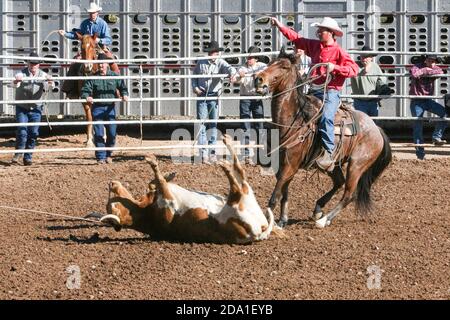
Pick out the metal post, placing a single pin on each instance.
(141, 96)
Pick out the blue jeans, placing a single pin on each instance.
(208, 109)
(418, 107)
(368, 107)
(249, 109)
(26, 136)
(104, 113)
(326, 124)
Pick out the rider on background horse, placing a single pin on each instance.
(91, 26)
(340, 66)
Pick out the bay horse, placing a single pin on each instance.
(363, 156)
(73, 87)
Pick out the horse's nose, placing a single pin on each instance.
(258, 82)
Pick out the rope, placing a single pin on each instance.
(312, 120)
(52, 32)
(50, 214)
(46, 112)
(243, 30)
(141, 96)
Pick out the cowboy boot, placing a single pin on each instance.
(326, 161)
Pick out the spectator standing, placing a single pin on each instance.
(26, 137)
(369, 81)
(208, 87)
(104, 111)
(251, 108)
(422, 84)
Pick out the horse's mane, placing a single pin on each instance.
(308, 105)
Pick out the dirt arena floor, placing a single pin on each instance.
(403, 254)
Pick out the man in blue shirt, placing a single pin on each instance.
(209, 87)
(90, 26)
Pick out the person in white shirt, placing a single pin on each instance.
(303, 68)
(250, 108)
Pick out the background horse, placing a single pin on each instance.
(363, 156)
(73, 87)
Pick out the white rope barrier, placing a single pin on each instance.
(239, 55)
(131, 122)
(140, 148)
(174, 76)
(100, 101)
(220, 98)
(138, 61)
(84, 78)
(191, 121)
(406, 53)
(394, 96)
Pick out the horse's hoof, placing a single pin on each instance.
(282, 224)
(322, 223)
(316, 215)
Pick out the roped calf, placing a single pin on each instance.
(171, 212)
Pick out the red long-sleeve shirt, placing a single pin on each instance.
(344, 66)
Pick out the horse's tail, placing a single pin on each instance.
(363, 201)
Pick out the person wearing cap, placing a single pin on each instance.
(104, 111)
(422, 84)
(91, 26)
(304, 64)
(249, 108)
(209, 87)
(368, 82)
(339, 64)
(26, 137)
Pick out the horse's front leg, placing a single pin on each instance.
(88, 111)
(281, 192)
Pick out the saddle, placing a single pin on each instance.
(345, 121)
(71, 87)
(346, 124)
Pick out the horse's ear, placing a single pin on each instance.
(79, 35)
(282, 51)
(95, 36)
(287, 55)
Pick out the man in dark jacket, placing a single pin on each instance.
(104, 111)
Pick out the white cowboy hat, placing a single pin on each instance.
(93, 7)
(331, 24)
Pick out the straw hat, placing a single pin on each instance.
(331, 24)
(93, 7)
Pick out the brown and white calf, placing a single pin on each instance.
(171, 212)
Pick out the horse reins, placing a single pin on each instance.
(316, 116)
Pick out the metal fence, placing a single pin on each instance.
(180, 28)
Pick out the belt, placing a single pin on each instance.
(106, 104)
(211, 94)
(367, 100)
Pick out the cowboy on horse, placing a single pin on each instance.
(91, 26)
(339, 65)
